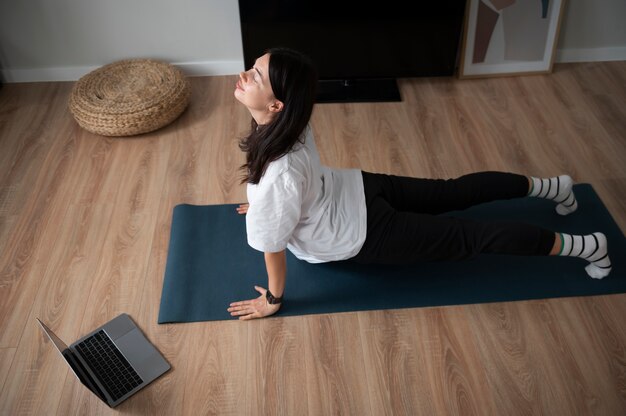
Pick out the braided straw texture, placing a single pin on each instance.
(129, 97)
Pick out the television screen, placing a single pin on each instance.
(353, 40)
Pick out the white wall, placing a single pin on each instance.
(48, 40)
(42, 40)
(592, 30)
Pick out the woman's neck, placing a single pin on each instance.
(262, 117)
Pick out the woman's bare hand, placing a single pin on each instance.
(253, 308)
(242, 208)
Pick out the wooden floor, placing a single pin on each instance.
(84, 229)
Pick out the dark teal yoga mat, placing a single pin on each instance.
(210, 264)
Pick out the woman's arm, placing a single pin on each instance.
(276, 265)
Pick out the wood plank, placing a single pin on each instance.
(30, 117)
(598, 350)
(566, 388)
(336, 380)
(38, 371)
(396, 367)
(120, 273)
(218, 362)
(512, 375)
(454, 365)
(35, 230)
(276, 379)
(6, 358)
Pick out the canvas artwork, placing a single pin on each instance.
(509, 37)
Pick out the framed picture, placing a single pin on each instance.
(509, 37)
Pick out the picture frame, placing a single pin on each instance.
(509, 37)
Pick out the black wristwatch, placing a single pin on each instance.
(271, 299)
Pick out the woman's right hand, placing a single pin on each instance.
(242, 208)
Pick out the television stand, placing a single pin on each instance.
(357, 90)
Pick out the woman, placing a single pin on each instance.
(322, 214)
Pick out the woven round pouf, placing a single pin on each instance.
(129, 97)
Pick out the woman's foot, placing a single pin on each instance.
(591, 247)
(557, 189)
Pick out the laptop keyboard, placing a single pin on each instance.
(107, 362)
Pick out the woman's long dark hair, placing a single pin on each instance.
(294, 80)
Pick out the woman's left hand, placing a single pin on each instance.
(253, 308)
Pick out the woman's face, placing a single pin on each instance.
(253, 89)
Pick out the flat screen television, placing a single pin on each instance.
(360, 48)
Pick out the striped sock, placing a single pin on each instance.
(591, 247)
(558, 189)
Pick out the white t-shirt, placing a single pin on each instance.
(318, 213)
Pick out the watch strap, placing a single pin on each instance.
(271, 299)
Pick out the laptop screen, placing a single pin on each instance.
(66, 353)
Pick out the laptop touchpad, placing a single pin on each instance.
(141, 354)
(119, 326)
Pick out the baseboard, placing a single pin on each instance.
(591, 54)
(209, 68)
(206, 68)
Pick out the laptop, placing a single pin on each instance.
(114, 361)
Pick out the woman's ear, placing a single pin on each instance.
(276, 106)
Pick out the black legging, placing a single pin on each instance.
(403, 225)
